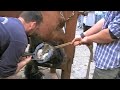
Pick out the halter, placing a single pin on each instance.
(61, 13)
(73, 13)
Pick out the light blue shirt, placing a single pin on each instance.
(107, 56)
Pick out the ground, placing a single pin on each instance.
(81, 58)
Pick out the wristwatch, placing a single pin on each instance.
(82, 35)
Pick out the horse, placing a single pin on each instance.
(52, 30)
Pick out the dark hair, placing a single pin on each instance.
(32, 16)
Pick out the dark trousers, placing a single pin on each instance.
(106, 74)
(85, 28)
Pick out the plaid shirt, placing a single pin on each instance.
(107, 56)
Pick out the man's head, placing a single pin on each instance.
(31, 20)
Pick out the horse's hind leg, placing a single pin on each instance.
(32, 71)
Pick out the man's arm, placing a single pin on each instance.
(22, 63)
(108, 35)
(101, 37)
(10, 59)
(95, 29)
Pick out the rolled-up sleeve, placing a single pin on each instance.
(114, 26)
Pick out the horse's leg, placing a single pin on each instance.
(70, 35)
(52, 70)
(59, 37)
(31, 69)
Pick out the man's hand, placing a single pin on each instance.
(24, 58)
(23, 62)
(79, 41)
(86, 41)
(27, 59)
(76, 41)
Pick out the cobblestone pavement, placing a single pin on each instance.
(80, 61)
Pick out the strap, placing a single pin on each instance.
(82, 35)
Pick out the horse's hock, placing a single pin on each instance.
(51, 30)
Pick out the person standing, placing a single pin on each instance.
(106, 33)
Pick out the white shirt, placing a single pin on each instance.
(98, 12)
(89, 20)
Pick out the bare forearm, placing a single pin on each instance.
(22, 64)
(95, 29)
(101, 37)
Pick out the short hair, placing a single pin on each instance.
(32, 16)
